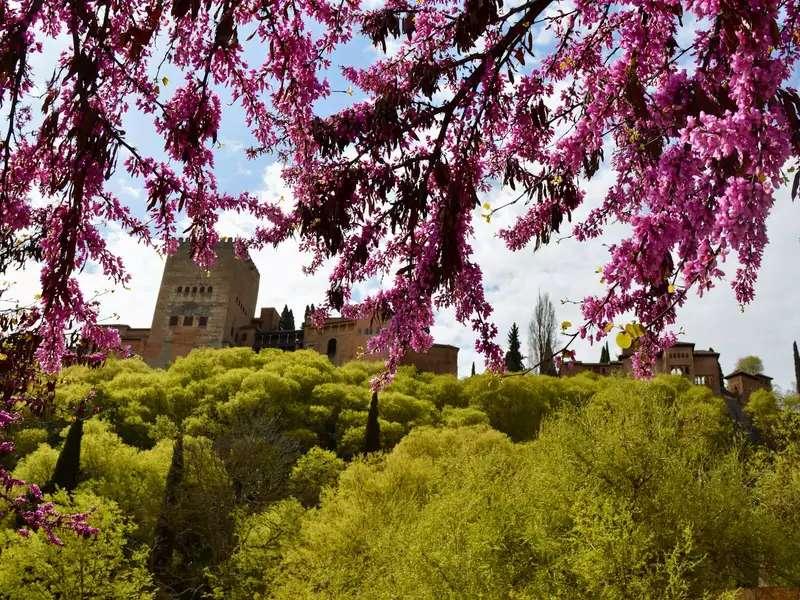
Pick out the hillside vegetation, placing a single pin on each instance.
(241, 475)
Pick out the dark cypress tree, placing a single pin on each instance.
(165, 536)
(605, 357)
(286, 322)
(372, 436)
(796, 368)
(514, 356)
(68, 466)
(472, 373)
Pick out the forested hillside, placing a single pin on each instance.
(241, 475)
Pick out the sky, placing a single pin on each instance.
(566, 271)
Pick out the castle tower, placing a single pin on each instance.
(197, 308)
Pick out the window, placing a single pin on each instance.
(202, 289)
(202, 321)
(210, 289)
(700, 380)
(173, 321)
(331, 348)
(180, 289)
(194, 290)
(187, 321)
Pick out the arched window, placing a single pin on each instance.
(180, 289)
(210, 289)
(202, 289)
(676, 371)
(332, 348)
(194, 290)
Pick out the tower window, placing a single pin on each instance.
(331, 348)
(187, 321)
(180, 289)
(202, 321)
(194, 290)
(202, 289)
(173, 321)
(210, 289)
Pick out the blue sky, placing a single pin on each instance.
(566, 271)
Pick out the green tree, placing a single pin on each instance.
(313, 472)
(796, 356)
(67, 469)
(640, 492)
(286, 322)
(165, 538)
(372, 434)
(100, 566)
(472, 371)
(514, 356)
(750, 364)
(605, 356)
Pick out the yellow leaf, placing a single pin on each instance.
(487, 206)
(598, 270)
(165, 80)
(609, 326)
(566, 325)
(3, 357)
(624, 340)
(670, 289)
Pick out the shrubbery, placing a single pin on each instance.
(493, 487)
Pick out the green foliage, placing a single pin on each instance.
(313, 472)
(750, 364)
(464, 417)
(100, 567)
(629, 496)
(254, 564)
(495, 487)
(27, 440)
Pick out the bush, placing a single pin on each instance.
(102, 566)
(313, 472)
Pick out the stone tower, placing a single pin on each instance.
(197, 308)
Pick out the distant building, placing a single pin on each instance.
(683, 358)
(215, 308)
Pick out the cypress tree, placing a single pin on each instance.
(514, 356)
(165, 536)
(605, 357)
(286, 322)
(472, 373)
(372, 436)
(68, 464)
(796, 368)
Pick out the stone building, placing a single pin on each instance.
(215, 308)
(700, 366)
(742, 384)
(198, 308)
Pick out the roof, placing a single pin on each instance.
(739, 372)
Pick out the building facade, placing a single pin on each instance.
(684, 358)
(214, 308)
